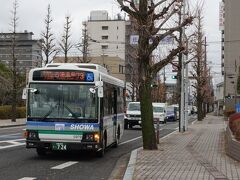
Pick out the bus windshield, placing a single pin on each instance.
(62, 101)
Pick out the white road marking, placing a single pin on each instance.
(27, 178)
(125, 142)
(64, 165)
(13, 140)
(6, 135)
(10, 146)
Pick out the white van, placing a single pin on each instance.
(159, 112)
(133, 115)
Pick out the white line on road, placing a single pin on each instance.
(13, 140)
(6, 135)
(27, 178)
(10, 146)
(125, 142)
(64, 165)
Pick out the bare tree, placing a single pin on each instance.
(83, 46)
(200, 70)
(5, 84)
(152, 18)
(66, 44)
(48, 45)
(13, 24)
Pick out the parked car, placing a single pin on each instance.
(170, 115)
(133, 115)
(176, 110)
(159, 112)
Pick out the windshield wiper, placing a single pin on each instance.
(74, 115)
(49, 112)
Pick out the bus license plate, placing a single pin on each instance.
(59, 146)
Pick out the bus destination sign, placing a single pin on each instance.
(63, 75)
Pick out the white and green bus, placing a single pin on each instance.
(73, 107)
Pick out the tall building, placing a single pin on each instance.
(28, 51)
(231, 52)
(106, 36)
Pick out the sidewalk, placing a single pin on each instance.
(193, 155)
(9, 123)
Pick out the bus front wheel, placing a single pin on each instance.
(101, 152)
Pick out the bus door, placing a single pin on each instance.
(115, 114)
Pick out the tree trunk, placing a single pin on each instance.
(14, 91)
(148, 131)
(145, 95)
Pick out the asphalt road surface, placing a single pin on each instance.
(17, 162)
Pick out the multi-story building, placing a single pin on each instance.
(111, 37)
(106, 36)
(27, 51)
(219, 98)
(231, 52)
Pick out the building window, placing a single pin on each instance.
(104, 37)
(104, 46)
(121, 69)
(104, 27)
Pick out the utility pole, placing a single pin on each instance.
(186, 80)
(182, 119)
(205, 71)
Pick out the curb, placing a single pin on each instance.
(12, 125)
(131, 165)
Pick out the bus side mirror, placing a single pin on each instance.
(100, 92)
(24, 94)
(92, 90)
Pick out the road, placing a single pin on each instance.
(17, 162)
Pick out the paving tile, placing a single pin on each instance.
(197, 154)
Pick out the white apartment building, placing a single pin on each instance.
(106, 37)
(231, 52)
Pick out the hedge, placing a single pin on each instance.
(234, 125)
(6, 112)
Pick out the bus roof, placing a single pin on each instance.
(97, 69)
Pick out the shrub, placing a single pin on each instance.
(6, 112)
(232, 118)
(21, 112)
(236, 131)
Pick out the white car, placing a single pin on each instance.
(133, 115)
(159, 112)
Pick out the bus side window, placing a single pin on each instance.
(115, 102)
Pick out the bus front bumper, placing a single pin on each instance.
(69, 145)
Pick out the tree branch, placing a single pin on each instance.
(158, 66)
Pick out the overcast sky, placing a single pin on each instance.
(31, 15)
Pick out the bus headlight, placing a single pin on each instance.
(96, 137)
